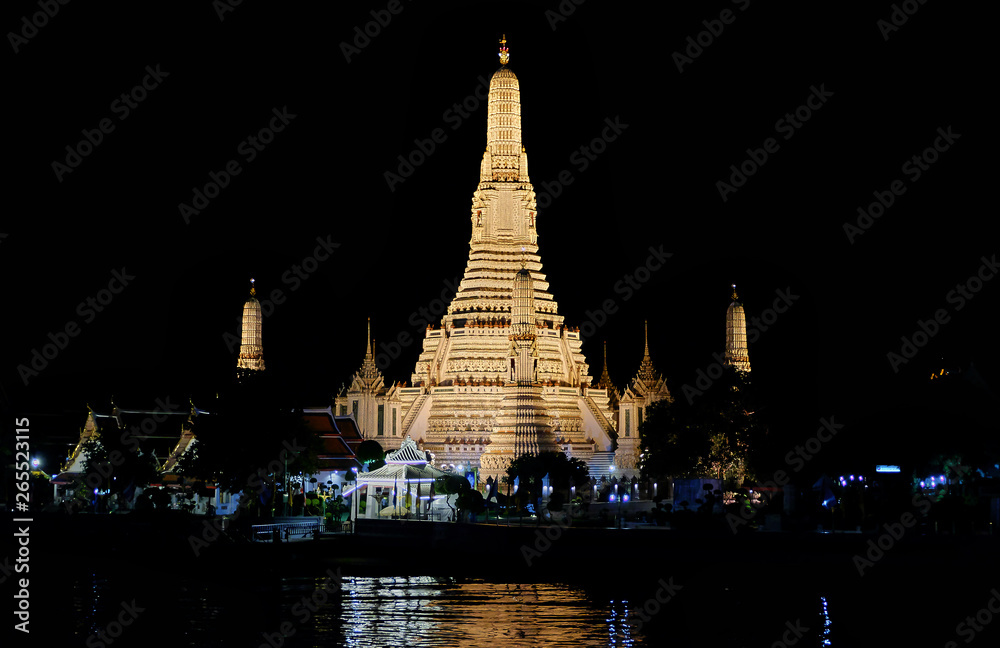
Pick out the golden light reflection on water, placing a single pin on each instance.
(425, 611)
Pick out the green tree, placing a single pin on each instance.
(451, 485)
(244, 443)
(709, 434)
(563, 473)
(371, 453)
(116, 460)
(471, 500)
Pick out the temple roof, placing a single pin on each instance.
(408, 453)
(339, 435)
(368, 377)
(605, 381)
(647, 373)
(164, 433)
(409, 463)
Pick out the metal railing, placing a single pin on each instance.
(295, 530)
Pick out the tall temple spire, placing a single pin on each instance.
(647, 373)
(605, 381)
(251, 356)
(504, 152)
(369, 374)
(511, 375)
(736, 336)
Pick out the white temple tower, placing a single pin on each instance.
(458, 385)
(522, 425)
(251, 356)
(736, 336)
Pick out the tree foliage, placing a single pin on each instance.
(244, 444)
(451, 485)
(371, 453)
(563, 473)
(710, 434)
(114, 462)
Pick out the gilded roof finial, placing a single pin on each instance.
(368, 351)
(504, 53)
(734, 292)
(253, 292)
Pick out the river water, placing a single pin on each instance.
(405, 611)
(614, 596)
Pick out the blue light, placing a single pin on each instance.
(852, 477)
(885, 468)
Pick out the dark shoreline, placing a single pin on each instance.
(474, 549)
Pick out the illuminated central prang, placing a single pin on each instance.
(458, 385)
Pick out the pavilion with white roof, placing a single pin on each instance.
(407, 475)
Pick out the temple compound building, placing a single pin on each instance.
(459, 403)
(502, 373)
(647, 388)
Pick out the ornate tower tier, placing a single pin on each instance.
(251, 356)
(736, 336)
(522, 425)
(455, 407)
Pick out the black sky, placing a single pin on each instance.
(655, 185)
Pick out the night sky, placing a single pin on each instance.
(219, 82)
